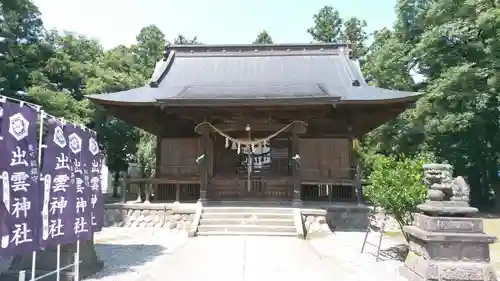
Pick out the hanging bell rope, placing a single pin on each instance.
(248, 142)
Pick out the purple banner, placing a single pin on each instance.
(94, 166)
(79, 179)
(59, 198)
(19, 179)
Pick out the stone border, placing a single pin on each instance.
(299, 224)
(172, 216)
(196, 220)
(340, 217)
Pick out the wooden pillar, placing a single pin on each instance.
(147, 191)
(126, 186)
(156, 186)
(205, 135)
(358, 183)
(297, 181)
(177, 192)
(357, 173)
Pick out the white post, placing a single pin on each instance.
(77, 262)
(40, 143)
(58, 265)
(22, 275)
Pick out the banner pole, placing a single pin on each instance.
(40, 142)
(77, 262)
(58, 265)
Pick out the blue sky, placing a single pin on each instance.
(116, 22)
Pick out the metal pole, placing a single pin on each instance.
(77, 262)
(40, 145)
(58, 265)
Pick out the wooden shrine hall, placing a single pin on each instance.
(256, 122)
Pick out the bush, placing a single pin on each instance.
(396, 186)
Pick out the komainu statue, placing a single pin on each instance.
(461, 190)
(445, 193)
(438, 179)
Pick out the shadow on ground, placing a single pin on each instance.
(120, 258)
(398, 252)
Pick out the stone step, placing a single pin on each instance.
(245, 221)
(245, 215)
(247, 210)
(245, 228)
(243, 233)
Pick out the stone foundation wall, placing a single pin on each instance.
(337, 217)
(172, 216)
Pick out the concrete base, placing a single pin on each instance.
(46, 262)
(448, 248)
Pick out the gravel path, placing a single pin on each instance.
(343, 249)
(132, 253)
(154, 255)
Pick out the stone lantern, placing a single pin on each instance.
(446, 242)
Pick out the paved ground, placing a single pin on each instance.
(152, 254)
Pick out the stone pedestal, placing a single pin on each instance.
(446, 242)
(46, 262)
(448, 248)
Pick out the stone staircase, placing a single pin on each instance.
(259, 221)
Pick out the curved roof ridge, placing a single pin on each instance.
(252, 47)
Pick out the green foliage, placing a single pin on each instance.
(396, 186)
(327, 26)
(453, 47)
(263, 38)
(57, 70)
(146, 154)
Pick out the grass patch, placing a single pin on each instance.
(492, 227)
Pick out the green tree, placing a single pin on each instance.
(354, 33)
(21, 51)
(396, 186)
(327, 26)
(263, 38)
(183, 40)
(149, 47)
(146, 154)
(453, 49)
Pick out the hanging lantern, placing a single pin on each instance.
(253, 148)
(227, 142)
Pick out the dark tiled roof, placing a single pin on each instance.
(255, 74)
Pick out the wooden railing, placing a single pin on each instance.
(178, 171)
(331, 185)
(233, 188)
(164, 189)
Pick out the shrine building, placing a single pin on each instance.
(256, 122)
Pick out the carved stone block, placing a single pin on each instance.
(449, 224)
(418, 268)
(445, 255)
